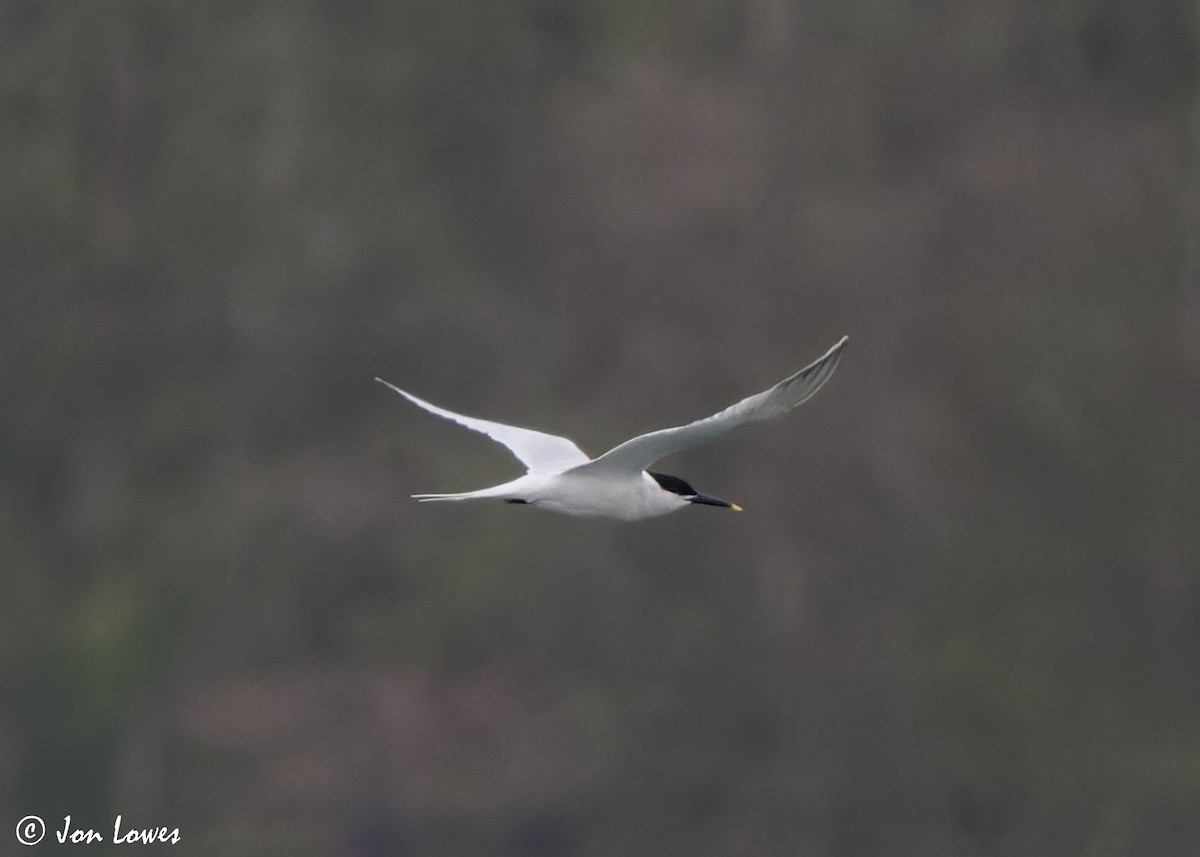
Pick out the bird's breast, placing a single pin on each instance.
(624, 498)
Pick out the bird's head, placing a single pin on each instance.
(675, 485)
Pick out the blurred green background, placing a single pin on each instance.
(961, 613)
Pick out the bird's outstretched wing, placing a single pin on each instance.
(638, 453)
(538, 451)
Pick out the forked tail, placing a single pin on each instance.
(506, 491)
(433, 498)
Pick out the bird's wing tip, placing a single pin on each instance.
(393, 387)
(836, 350)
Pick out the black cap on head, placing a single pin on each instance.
(673, 484)
(678, 486)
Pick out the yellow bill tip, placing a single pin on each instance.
(735, 507)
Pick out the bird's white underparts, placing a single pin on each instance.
(618, 484)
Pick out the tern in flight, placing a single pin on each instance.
(561, 478)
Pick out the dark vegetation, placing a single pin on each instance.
(961, 614)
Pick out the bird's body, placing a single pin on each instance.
(618, 484)
(586, 495)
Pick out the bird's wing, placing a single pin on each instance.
(538, 451)
(640, 452)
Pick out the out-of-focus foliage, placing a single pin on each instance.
(961, 614)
